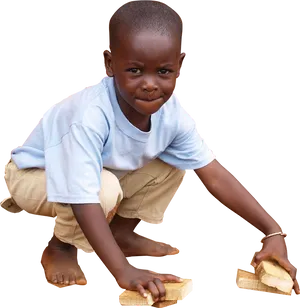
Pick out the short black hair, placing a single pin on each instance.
(136, 16)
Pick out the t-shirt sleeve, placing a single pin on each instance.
(187, 150)
(73, 167)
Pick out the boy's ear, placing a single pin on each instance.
(108, 63)
(182, 60)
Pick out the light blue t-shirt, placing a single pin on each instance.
(87, 131)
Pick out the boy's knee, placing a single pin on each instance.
(111, 192)
(167, 171)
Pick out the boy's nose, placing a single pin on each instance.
(149, 85)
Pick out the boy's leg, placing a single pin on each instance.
(27, 188)
(147, 193)
(28, 191)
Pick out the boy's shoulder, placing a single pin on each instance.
(84, 106)
(92, 96)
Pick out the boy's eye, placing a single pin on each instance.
(163, 71)
(134, 70)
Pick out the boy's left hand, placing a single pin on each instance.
(275, 248)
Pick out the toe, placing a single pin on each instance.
(168, 250)
(72, 279)
(60, 278)
(54, 279)
(81, 280)
(66, 280)
(173, 251)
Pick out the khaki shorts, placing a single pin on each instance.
(144, 194)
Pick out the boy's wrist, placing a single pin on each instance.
(118, 264)
(119, 272)
(272, 229)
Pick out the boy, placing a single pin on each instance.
(129, 137)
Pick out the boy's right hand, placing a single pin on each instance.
(136, 279)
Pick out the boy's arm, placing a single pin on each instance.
(93, 223)
(229, 191)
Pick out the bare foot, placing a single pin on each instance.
(134, 243)
(137, 244)
(60, 264)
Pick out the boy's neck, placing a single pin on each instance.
(144, 126)
(142, 122)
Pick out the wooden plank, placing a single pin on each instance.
(273, 275)
(246, 280)
(178, 292)
(165, 304)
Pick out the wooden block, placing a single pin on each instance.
(164, 304)
(133, 299)
(174, 291)
(250, 281)
(273, 275)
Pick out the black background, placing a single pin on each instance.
(253, 115)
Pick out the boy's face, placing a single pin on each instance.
(145, 67)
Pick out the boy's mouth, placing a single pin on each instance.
(148, 99)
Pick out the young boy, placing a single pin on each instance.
(115, 153)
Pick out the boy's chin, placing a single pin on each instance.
(148, 107)
(148, 112)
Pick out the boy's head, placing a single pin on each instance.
(145, 58)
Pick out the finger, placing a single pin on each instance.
(261, 256)
(161, 288)
(141, 290)
(296, 287)
(169, 278)
(154, 291)
(285, 263)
